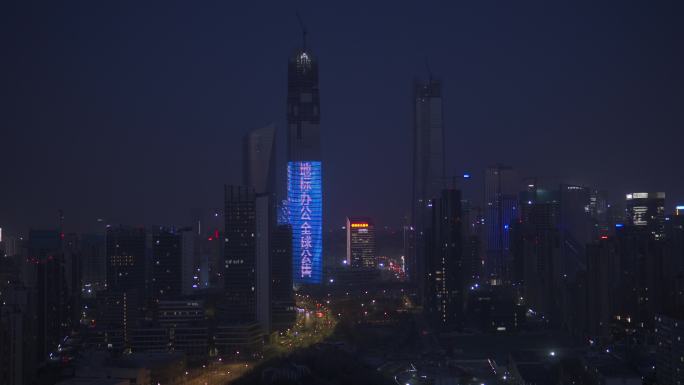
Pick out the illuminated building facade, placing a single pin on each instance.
(646, 211)
(304, 168)
(306, 215)
(679, 210)
(361, 243)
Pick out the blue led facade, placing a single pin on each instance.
(305, 201)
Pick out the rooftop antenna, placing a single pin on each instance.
(301, 24)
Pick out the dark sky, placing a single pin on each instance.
(134, 111)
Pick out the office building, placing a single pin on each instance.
(575, 226)
(428, 146)
(643, 279)
(646, 212)
(673, 267)
(126, 251)
(536, 250)
(445, 295)
(238, 341)
(599, 211)
(495, 309)
(265, 219)
(361, 251)
(669, 335)
(124, 304)
(408, 243)
(260, 159)
(304, 168)
(259, 174)
(208, 242)
(194, 266)
(53, 306)
(73, 272)
(603, 280)
(501, 189)
(167, 263)
(240, 254)
(472, 259)
(283, 312)
(9, 244)
(16, 340)
(94, 263)
(428, 177)
(306, 206)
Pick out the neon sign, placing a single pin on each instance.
(305, 201)
(359, 225)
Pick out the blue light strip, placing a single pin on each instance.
(305, 201)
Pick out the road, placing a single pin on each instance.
(314, 323)
(216, 374)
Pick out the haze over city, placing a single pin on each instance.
(136, 110)
(301, 193)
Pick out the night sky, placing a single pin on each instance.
(134, 111)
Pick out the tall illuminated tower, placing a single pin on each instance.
(304, 180)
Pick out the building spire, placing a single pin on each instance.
(301, 24)
(429, 71)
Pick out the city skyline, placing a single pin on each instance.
(178, 150)
(416, 194)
